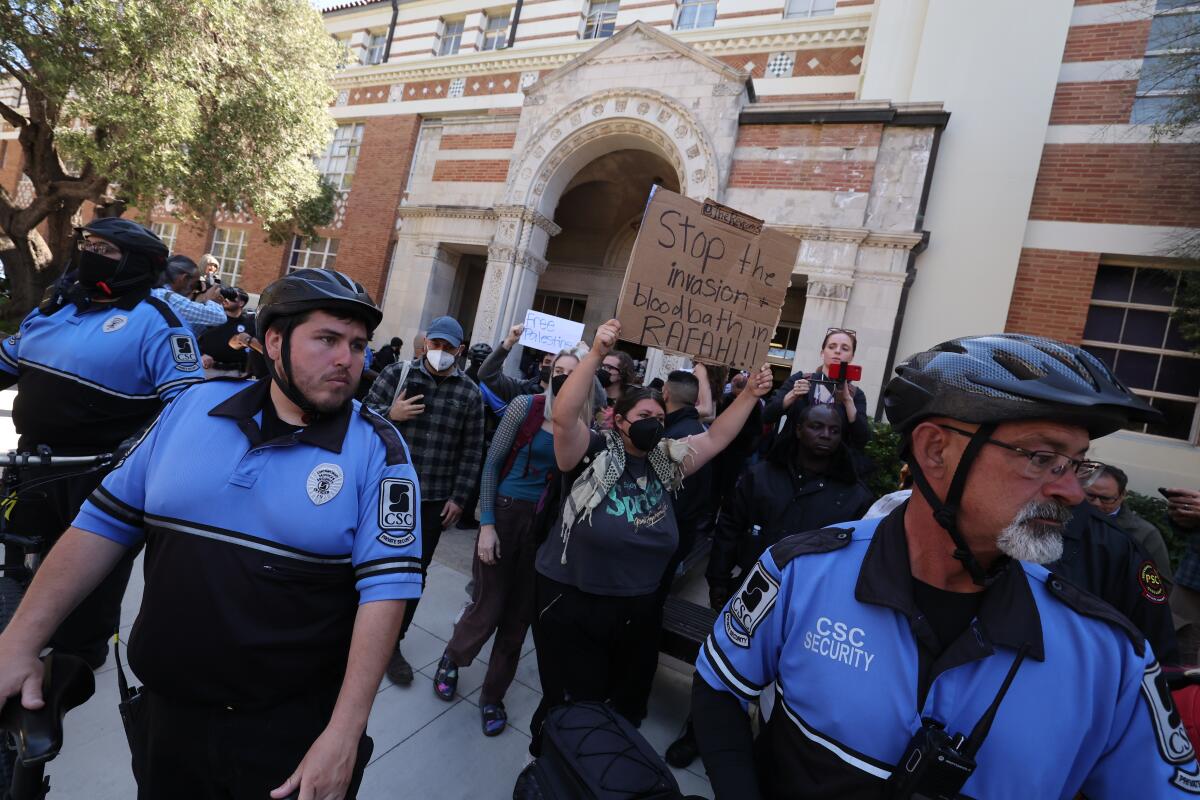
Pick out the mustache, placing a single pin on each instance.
(1044, 510)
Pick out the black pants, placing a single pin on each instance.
(589, 647)
(47, 510)
(189, 752)
(431, 533)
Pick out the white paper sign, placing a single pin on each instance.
(550, 334)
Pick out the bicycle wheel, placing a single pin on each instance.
(10, 598)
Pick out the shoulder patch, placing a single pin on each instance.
(163, 308)
(393, 444)
(1151, 582)
(1089, 605)
(825, 540)
(183, 350)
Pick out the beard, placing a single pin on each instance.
(1028, 538)
(328, 397)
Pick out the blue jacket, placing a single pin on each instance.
(829, 617)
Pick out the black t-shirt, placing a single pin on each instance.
(272, 426)
(949, 613)
(214, 342)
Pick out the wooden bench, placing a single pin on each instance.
(685, 627)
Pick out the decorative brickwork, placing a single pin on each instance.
(1110, 42)
(829, 176)
(477, 141)
(824, 61)
(1093, 103)
(1131, 184)
(1051, 293)
(809, 135)
(492, 170)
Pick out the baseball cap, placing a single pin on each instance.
(445, 328)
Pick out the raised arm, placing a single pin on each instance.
(726, 427)
(570, 432)
(491, 370)
(706, 407)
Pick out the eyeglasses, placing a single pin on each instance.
(847, 331)
(100, 248)
(1047, 462)
(1103, 498)
(611, 369)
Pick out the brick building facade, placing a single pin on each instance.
(491, 161)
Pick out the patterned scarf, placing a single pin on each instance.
(667, 460)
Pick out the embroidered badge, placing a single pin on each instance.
(1150, 579)
(397, 505)
(114, 323)
(1173, 743)
(397, 541)
(750, 605)
(324, 482)
(183, 349)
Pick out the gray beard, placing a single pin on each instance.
(1026, 539)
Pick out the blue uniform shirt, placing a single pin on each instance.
(90, 378)
(829, 617)
(258, 553)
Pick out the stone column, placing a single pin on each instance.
(421, 291)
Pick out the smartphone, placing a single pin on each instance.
(845, 372)
(1167, 493)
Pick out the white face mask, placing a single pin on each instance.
(439, 360)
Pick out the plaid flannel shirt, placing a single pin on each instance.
(446, 440)
(197, 316)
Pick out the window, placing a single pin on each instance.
(560, 305)
(1129, 327)
(783, 343)
(495, 31)
(340, 160)
(376, 44)
(452, 31)
(808, 8)
(229, 248)
(696, 14)
(167, 231)
(601, 19)
(1171, 68)
(317, 252)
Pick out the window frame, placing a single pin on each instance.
(541, 300)
(498, 35)
(698, 5)
(1193, 436)
(302, 248)
(158, 228)
(445, 36)
(220, 251)
(602, 19)
(809, 12)
(1152, 94)
(345, 148)
(792, 333)
(374, 49)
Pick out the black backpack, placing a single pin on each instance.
(590, 752)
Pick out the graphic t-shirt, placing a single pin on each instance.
(624, 548)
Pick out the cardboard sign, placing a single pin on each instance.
(706, 281)
(550, 334)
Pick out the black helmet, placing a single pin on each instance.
(1006, 377)
(143, 254)
(310, 289)
(479, 352)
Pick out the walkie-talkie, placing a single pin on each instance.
(936, 765)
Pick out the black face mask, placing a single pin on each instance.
(604, 377)
(556, 384)
(544, 374)
(646, 433)
(96, 271)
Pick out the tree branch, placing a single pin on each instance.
(12, 116)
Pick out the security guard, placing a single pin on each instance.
(93, 365)
(887, 639)
(282, 543)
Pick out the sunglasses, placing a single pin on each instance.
(848, 331)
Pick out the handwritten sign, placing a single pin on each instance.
(706, 281)
(551, 334)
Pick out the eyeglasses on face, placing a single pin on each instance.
(1043, 463)
(1103, 498)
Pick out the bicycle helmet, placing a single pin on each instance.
(479, 352)
(1005, 377)
(143, 254)
(309, 290)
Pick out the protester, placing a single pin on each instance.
(219, 355)
(1183, 510)
(804, 389)
(929, 609)
(519, 464)
(439, 412)
(617, 375)
(600, 568)
(1108, 494)
(210, 271)
(175, 287)
(93, 364)
(388, 354)
(729, 464)
(476, 356)
(272, 598)
(806, 483)
(491, 372)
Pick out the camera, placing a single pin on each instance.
(845, 372)
(228, 292)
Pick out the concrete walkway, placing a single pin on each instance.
(424, 746)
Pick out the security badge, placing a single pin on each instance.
(1172, 738)
(397, 511)
(183, 349)
(751, 605)
(114, 323)
(1151, 582)
(324, 483)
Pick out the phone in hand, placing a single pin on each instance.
(1167, 493)
(845, 372)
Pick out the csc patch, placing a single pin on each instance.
(1173, 743)
(753, 602)
(183, 349)
(1151, 582)
(397, 505)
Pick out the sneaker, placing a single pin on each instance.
(445, 680)
(683, 751)
(494, 717)
(399, 671)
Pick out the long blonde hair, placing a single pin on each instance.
(585, 413)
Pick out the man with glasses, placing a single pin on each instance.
(1107, 495)
(889, 639)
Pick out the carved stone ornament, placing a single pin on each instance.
(727, 89)
(827, 290)
(621, 104)
(643, 108)
(576, 119)
(597, 109)
(343, 97)
(693, 151)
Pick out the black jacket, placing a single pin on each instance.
(694, 501)
(1101, 558)
(776, 497)
(856, 433)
